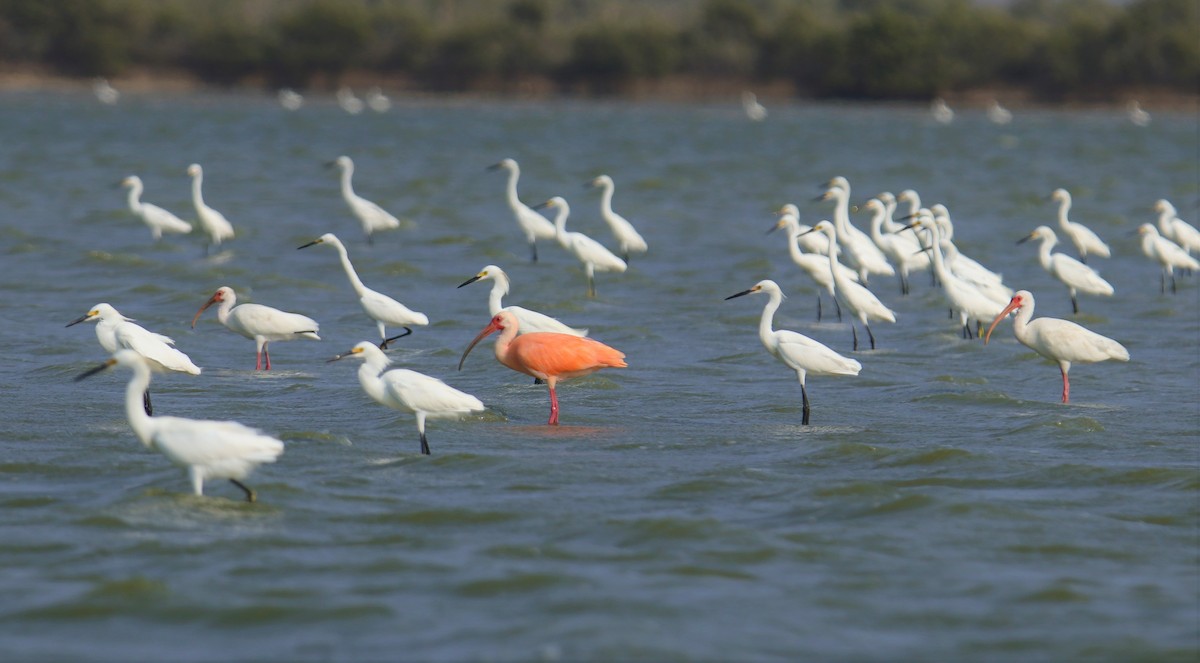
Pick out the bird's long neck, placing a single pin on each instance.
(347, 187)
(355, 282)
(794, 249)
(841, 209)
(1021, 322)
(877, 224)
(1064, 206)
(197, 195)
(560, 225)
(224, 307)
(765, 332)
(914, 205)
(510, 190)
(499, 289)
(135, 193)
(135, 409)
(501, 348)
(1165, 217)
(606, 196)
(889, 220)
(939, 261)
(1044, 251)
(368, 377)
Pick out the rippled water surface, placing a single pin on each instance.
(942, 506)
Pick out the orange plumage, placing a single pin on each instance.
(547, 356)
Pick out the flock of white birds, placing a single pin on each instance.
(839, 258)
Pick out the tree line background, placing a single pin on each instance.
(1052, 50)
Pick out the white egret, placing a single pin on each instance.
(628, 238)
(811, 242)
(378, 101)
(941, 111)
(1086, 242)
(863, 304)
(372, 217)
(409, 391)
(753, 109)
(290, 99)
(1060, 341)
(1077, 276)
(998, 114)
(213, 223)
(379, 307)
(903, 250)
(963, 266)
(206, 449)
(592, 254)
(861, 252)
(1176, 229)
(534, 225)
(261, 323)
(156, 218)
(105, 92)
(963, 297)
(816, 266)
(530, 321)
(349, 103)
(1137, 115)
(117, 332)
(1166, 253)
(797, 351)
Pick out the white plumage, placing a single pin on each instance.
(261, 323)
(797, 351)
(1086, 242)
(533, 225)
(861, 252)
(372, 217)
(1077, 276)
(863, 304)
(628, 238)
(1166, 253)
(206, 449)
(529, 321)
(379, 307)
(156, 218)
(409, 391)
(592, 254)
(1176, 229)
(968, 301)
(1060, 341)
(213, 223)
(816, 266)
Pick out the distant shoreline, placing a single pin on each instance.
(676, 89)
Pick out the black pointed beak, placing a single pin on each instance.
(469, 281)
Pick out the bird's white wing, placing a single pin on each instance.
(423, 393)
(229, 448)
(532, 321)
(279, 322)
(168, 222)
(1079, 275)
(155, 347)
(381, 307)
(800, 351)
(596, 253)
(374, 216)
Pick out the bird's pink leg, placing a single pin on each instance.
(553, 407)
(267, 353)
(1066, 386)
(258, 360)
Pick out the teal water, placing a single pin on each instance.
(942, 506)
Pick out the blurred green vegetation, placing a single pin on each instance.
(860, 49)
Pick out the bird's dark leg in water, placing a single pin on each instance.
(804, 395)
(384, 344)
(146, 403)
(251, 496)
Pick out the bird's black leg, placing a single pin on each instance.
(804, 395)
(146, 403)
(1074, 305)
(251, 496)
(625, 257)
(978, 329)
(854, 332)
(838, 306)
(1172, 283)
(818, 307)
(869, 334)
(384, 344)
(591, 286)
(533, 252)
(424, 444)
(1162, 283)
(903, 285)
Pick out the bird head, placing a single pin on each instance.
(224, 293)
(501, 321)
(1019, 299)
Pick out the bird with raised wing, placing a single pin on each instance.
(547, 356)
(797, 351)
(206, 449)
(1060, 341)
(261, 323)
(408, 391)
